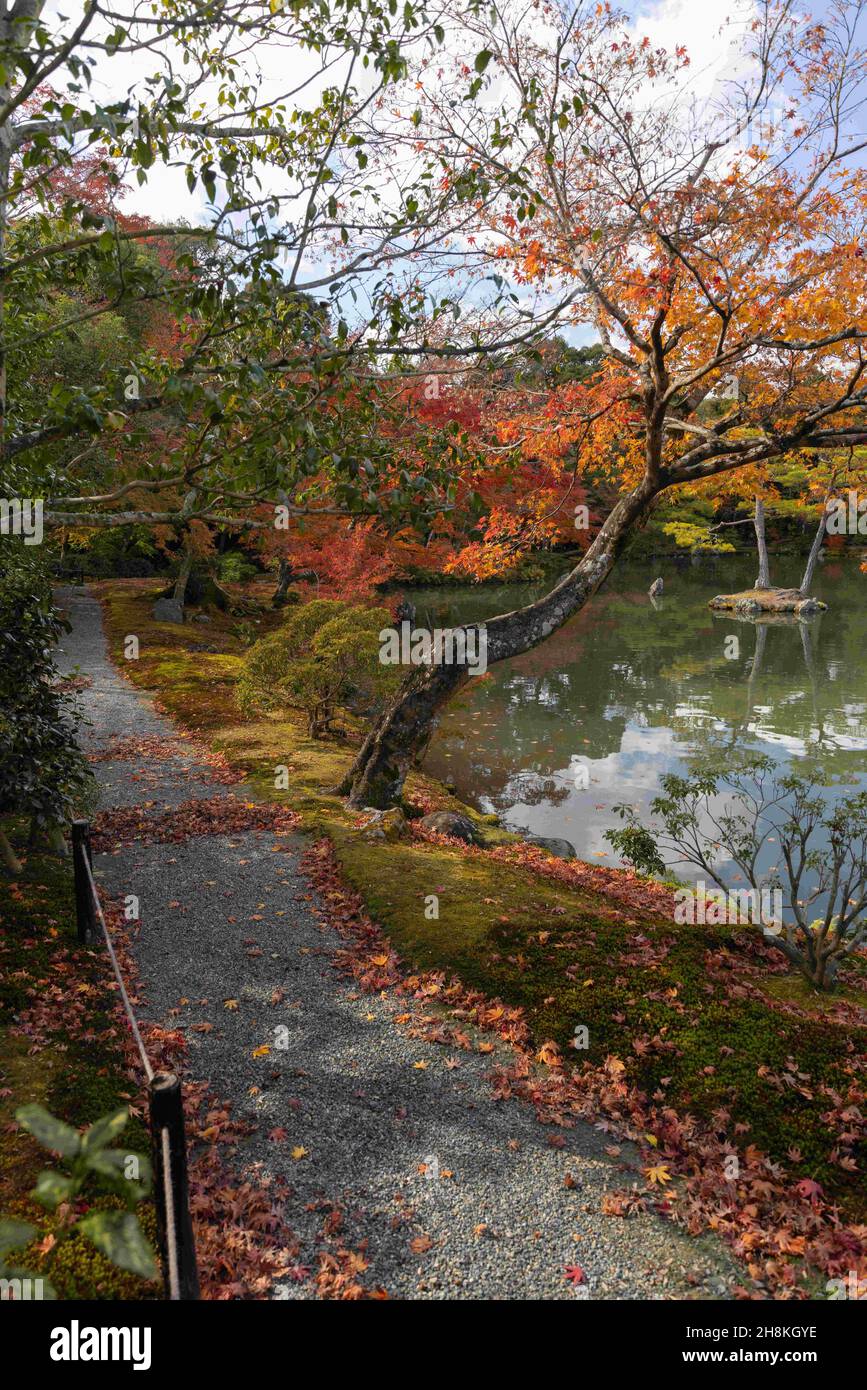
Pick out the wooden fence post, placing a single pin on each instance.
(171, 1188)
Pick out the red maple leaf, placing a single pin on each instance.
(574, 1274)
(808, 1188)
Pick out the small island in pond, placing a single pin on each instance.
(750, 601)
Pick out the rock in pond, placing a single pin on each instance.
(561, 849)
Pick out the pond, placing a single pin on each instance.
(633, 689)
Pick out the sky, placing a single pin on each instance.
(666, 22)
(698, 25)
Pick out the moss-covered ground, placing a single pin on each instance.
(699, 1012)
(59, 1046)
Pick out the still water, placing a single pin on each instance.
(634, 690)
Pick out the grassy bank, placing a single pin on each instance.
(60, 1046)
(706, 1019)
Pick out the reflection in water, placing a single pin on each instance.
(630, 690)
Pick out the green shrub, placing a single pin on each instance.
(325, 656)
(43, 773)
(90, 1163)
(234, 568)
(721, 817)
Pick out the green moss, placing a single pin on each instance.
(75, 1268)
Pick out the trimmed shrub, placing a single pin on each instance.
(326, 656)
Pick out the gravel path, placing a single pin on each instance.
(446, 1193)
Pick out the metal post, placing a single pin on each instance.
(85, 917)
(171, 1189)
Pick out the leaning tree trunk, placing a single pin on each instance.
(403, 731)
(400, 735)
(764, 579)
(807, 582)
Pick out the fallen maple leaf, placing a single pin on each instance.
(549, 1053)
(808, 1188)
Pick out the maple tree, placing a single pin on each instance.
(697, 253)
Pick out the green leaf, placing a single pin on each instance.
(482, 59)
(14, 1235)
(53, 1188)
(119, 1237)
(48, 1130)
(105, 1130)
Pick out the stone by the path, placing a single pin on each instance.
(451, 823)
(168, 610)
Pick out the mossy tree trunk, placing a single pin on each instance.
(400, 735)
(403, 731)
(193, 585)
(179, 591)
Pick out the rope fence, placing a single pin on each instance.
(166, 1108)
